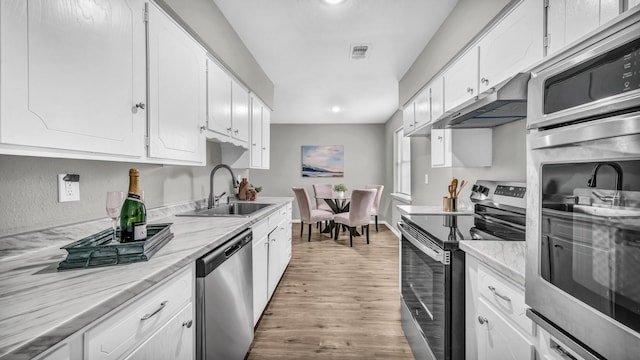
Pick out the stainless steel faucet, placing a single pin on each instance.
(213, 200)
(592, 183)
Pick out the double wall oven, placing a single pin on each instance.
(583, 239)
(432, 266)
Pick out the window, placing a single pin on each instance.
(402, 158)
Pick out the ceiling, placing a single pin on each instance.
(304, 47)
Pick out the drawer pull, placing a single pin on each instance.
(188, 324)
(503, 297)
(162, 305)
(482, 320)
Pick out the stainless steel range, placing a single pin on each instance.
(432, 265)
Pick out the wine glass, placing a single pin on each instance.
(114, 204)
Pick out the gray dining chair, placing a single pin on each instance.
(376, 202)
(309, 215)
(359, 213)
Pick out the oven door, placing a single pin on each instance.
(583, 240)
(425, 289)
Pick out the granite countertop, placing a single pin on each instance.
(431, 210)
(507, 257)
(40, 306)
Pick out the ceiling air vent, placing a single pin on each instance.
(359, 51)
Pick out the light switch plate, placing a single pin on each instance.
(68, 187)
(426, 179)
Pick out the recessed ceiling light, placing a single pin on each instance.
(335, 109)
(333, 2)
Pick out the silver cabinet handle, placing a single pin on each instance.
(503, 297)
(162, 305)
(482, 320)
(470, 90)
(254, 144)
(264, 148)
(484, 81)
(228, 129)
(439, 137)
(140, 106)
(235, 131)
(188, 323)
(203, 128)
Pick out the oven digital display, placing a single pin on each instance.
(613, 73)
(512, 191)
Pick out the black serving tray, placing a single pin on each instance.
(102, 249)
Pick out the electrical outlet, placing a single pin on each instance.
(68, 187)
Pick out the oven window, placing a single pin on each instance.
(423, 291)
(590, 235)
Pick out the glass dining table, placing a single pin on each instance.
(338, 204)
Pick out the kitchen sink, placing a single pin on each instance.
(232, 209)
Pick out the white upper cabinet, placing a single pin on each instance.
(240, 112)
(568, 20)
(218, 99)
(461, 79)
(452, 147)
(72, 73)
(422, 110)
(177, 91)
(513, 45)
(437, 98)
(260, 132)
(409, 117)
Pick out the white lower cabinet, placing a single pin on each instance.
(461, 147)
(496, 325)
(174, 340)
(152, 322)
(271, 255)
(498, 339)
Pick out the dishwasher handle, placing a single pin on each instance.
(209, 262)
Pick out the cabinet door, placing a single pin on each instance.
(260, 257)
(437, 98)
(461, 80)
(274, 259)
(498, 339)
(218, 99)
(174, 340)
(266, 137)
(408, 118)
(177, 91)
(423, 108)
(256, 133)
(512, 45)
(240, 112)
(439, 147)
(72, 73)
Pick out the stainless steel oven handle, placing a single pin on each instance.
(626, 124)
(493, 220)
(560, 335)
(437, 256)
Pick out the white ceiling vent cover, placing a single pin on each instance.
(360, 51)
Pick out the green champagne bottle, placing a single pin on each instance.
(133, 216)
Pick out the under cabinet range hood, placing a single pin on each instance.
(496, 106)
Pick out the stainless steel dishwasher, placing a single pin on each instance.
(224, 300)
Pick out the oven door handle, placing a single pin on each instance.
(493, 220)
(626, 124)
(439, 256)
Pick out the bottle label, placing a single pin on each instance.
(139, 231)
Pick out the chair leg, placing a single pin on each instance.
(337, 231)
(367, 226)
(376, 223)
(351, 229)
(301, 227)
(309, 232)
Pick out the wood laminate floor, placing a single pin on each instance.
(335, 302)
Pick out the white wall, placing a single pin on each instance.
(363, 157)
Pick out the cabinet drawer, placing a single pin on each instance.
(125, 328)
(505, 296)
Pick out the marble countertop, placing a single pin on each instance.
(40, 306)
(431, 210)
(507, 257)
